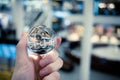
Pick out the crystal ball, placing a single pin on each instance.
(41, 39)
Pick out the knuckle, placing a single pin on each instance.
(57, 75)
(52, 76)
(51, 69)
(51, 58)
(61, 62)
(55, 53)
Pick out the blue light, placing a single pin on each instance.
(8, 51)
(61, 14)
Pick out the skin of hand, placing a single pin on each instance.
(36, 67)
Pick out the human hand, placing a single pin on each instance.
(36, 67)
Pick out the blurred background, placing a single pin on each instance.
(90, 32)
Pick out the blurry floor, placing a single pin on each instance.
(74, 75)
(94, 75)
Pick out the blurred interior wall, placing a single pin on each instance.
(18, 16)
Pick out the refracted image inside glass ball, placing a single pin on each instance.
(41, 39)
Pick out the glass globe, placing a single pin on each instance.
(41, 39)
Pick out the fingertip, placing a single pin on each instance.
(58, 41)
(23, 34)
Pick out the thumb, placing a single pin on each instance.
(22, 47)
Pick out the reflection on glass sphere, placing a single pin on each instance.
(41, 39)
